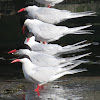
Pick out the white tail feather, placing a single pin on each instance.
(77, 57)
(66, 49)
(67, 72)
(82, 14)
(78, 30)
(79, 43)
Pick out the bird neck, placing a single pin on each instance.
(27, 66)
(31, 42)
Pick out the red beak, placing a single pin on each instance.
(49, 6)
(28, 39)
(23, 29)
(16, 60)
(23, 9)
(12, 51)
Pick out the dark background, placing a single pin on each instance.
(11, 34)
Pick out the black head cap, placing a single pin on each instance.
(23, 46)
(30, 4)
(29, 34)
(24, 56)
(23, 18)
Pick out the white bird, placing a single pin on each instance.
(49, 3)
(43, 75)
(40, 59)
(43, 59)
(48, 32)
(50, 48)
(52, 15)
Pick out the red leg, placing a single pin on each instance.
(24, 97)
(23, 29)
(37, 90)
(44, 42)
(42, 86)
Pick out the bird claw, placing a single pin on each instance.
(37, 90)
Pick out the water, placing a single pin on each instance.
(66, 88)
(83, 86)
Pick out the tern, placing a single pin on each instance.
(43, 75)
(48, 32)
(40, 59)
(43, 59)
(50, 48)
(52, 15)
(49, 3)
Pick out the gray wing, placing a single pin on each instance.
(49, 31)
(51, 15)
(46, 60)
(42, 74)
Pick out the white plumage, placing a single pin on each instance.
(42, 59)
(48, 32)
(52, 15)
(49, 2)
(43, 75)
(53, 49)
(42, 65)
